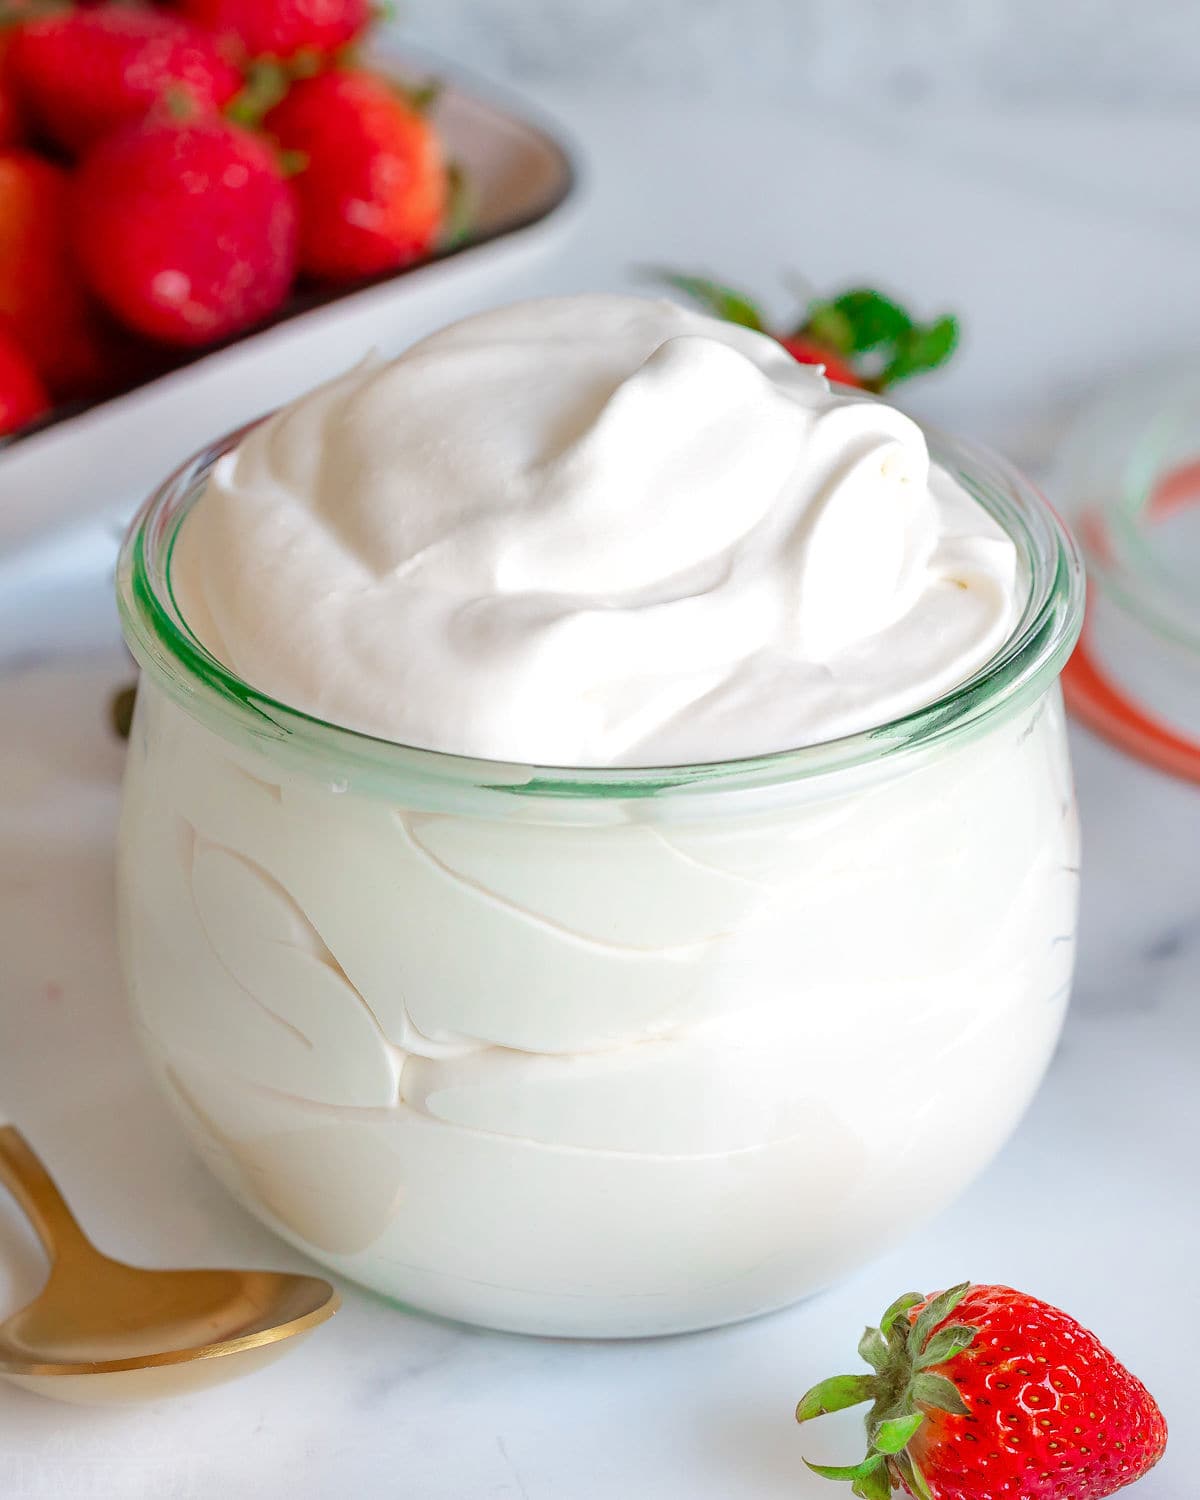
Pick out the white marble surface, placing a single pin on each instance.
(1067, 247)
(1099, 53)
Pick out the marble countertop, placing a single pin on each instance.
(997, 51)
(1067, 247)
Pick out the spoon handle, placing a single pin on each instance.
(23, 1174)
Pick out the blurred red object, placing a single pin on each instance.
(373, 186)
(1093, 695)
(11, 124)
(83, 73)
(42, 297)
(281, 28)
(23, 397)
(185, 231)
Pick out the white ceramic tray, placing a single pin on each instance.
(100, 460)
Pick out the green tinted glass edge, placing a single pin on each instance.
(1031, 658)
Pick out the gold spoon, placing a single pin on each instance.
(104, 1331)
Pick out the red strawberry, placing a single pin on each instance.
(861, 337)
(22, 394)
(10, 118)
(281, 28)
(35, 269)
(83, 73)
(805, 352)
(982, 1392)
(12, 127)
(186, 231)
(42, 297)
(373, 190)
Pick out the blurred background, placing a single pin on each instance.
(1024, 164)
(873, 52)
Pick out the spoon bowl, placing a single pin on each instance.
(104, 1331)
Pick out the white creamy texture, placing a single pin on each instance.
(596, 1066)
(594, 530)
(601, 1069)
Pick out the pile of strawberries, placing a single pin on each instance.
(168, 174)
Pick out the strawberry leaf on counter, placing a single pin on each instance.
(720, 301)
(924, 347)
(868, 318)
(861, 336)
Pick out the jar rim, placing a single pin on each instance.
(1032, 656)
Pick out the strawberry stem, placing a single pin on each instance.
(292, 163)
(922, 348)
(872, 335)
(937, 1312)
(16, 13)
(721, 301)
(874, 1486)
(266, 84)
(306, 63)
(849, 1471)
(460, 206)
(901, 1305)
(901, 1351)
(835, 1394)
(911, 1476)
(422, 96)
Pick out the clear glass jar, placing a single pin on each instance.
(598, 1052)
(1129, 474)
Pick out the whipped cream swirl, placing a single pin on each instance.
(590, 531)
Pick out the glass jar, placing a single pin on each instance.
(598, 1052)
(1129, 475)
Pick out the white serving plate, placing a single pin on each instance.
(100, 460)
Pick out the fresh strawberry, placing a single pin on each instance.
(12, 126)
(373, 185)
(805, 352)
(34, 256)
(22, 394)
(861, 337)
(982, 1392)
(281, 28)
(186, 231)
(42, 297)
(83, 73)
(11, 129)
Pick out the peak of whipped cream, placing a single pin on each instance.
(594, 531)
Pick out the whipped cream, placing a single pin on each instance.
(598, 1068)
(592, 531)
(597, 1065)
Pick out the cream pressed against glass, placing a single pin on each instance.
(598, 1052)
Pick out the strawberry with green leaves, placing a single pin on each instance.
(82, 73)
(861, 337)
(982, 1392)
